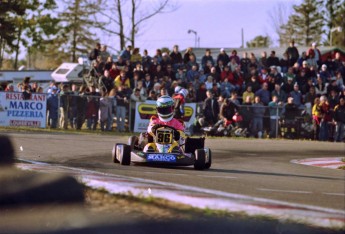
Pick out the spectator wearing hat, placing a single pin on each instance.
(325, 74)
(289, 74)
(292, 53)
(223, 56)
(330, 65)
(287, 86)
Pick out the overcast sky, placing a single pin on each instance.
(218, 23)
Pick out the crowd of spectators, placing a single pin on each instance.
(279, 87)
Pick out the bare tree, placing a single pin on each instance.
(279, 16)
(117, 16)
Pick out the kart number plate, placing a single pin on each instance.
(164, 136)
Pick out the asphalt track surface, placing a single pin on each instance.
(258, 168)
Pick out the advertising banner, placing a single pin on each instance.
(14, 111)
(145, 110)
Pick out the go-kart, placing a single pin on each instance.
(192, 152)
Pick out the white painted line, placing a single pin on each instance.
(335, 194)
(283, 191)
(224, 177)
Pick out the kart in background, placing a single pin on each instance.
(193, 152)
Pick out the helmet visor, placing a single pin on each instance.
(165, 110)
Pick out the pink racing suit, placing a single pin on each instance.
(172, 123)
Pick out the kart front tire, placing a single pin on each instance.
(124, 152)
(200, 159)
(113, 153)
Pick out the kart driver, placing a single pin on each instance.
(165, 112)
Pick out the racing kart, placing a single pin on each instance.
(192, 152)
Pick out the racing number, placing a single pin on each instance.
(164, 137)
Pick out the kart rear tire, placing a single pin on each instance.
(200, 158)
(133, 142)
(113, 153)
(208, 164)
(124, 152)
